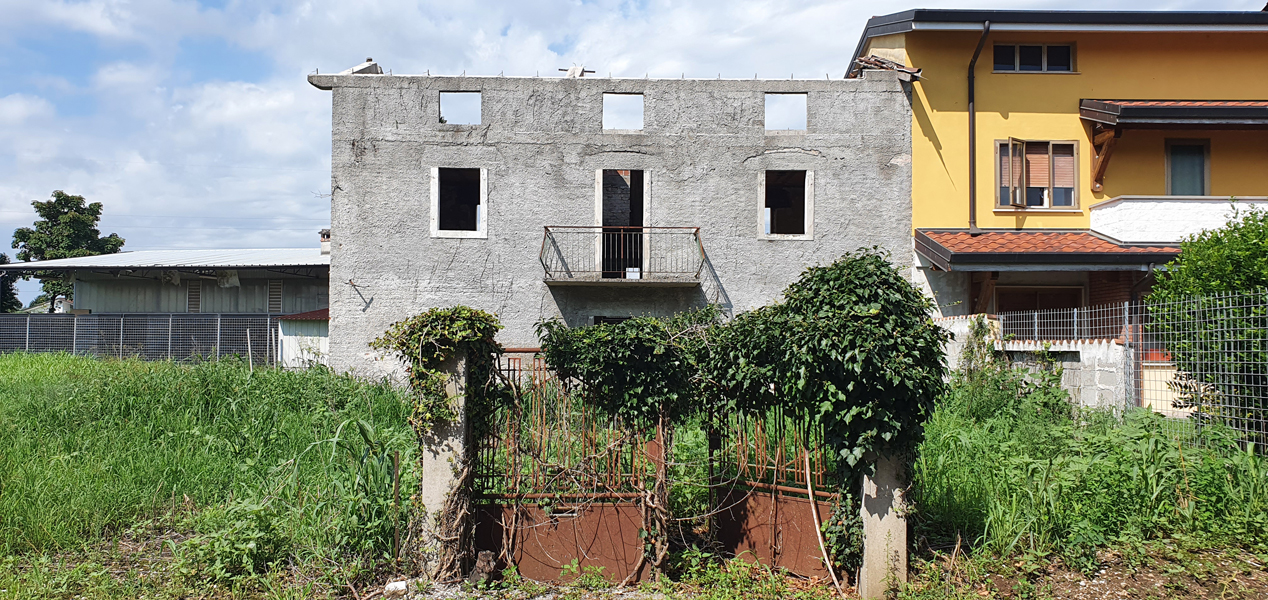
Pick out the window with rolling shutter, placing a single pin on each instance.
(275, 296)
(1036, 174)
(194, 301)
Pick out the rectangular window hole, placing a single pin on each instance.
(459, 202)
(622, 111)
(460, 108)
(785, 112)
(785, 202)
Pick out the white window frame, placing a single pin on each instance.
(810, 208)
(482, 211)
(1000, 176)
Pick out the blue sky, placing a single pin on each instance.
(192, 121)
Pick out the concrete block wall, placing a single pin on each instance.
(541, 142)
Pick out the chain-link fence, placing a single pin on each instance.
(1200, 361)
(152, 336)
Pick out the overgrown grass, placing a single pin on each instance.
(268, 467)
(1010, 467)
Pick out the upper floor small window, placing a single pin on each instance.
(1036, 174)
(1034, 58)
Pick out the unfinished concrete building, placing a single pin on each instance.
(596, 199)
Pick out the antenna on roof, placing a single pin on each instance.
(574, 72)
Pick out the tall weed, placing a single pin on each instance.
(1007, 463)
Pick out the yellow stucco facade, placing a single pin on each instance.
(1045, 106)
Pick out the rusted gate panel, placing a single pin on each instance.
(599, 535)
(776, 529)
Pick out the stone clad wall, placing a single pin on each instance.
(541, 141)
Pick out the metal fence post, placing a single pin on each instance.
(121, 317)
(217, 335)
(74, 334)
(1036, 338)
(26, 346)
(169, 337)
(1076, 323)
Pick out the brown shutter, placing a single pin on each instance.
(1037, 164)
(1063, 165)
(194, 302)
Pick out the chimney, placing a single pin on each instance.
(325, 242)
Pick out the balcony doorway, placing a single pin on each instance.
(621, 243)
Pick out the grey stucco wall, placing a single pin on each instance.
(541, 141)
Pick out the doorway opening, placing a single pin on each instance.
(622, 218)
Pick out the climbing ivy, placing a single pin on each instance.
(852, 346)
(637, 371)
(425, 341)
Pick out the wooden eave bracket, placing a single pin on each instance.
(1103, 140)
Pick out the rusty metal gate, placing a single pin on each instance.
(557, 481)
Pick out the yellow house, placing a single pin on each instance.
(1058, 157)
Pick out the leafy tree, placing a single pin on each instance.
(1207, 311)
(1231, 258)
(8, 291)
(67, 228)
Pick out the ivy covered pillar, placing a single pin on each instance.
(442, 450)
(884, 517)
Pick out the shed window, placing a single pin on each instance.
(1034, 58)
(1036, 174)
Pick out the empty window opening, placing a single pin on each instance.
(609, 320)
(622, 111)
(460, 108)
(1036, 174)
(622, 218)
(785, 202)
(785, 112)
(1034, 58)
(459, 203)
(1186, 168)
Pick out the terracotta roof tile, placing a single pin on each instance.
(321, 314)
(1190, 103)
(1036, 241)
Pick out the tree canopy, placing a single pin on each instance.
(8, 291)
(1228, 259)
(67, 228)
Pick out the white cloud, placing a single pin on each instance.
(22, 109)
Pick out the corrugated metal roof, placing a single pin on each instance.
(188, 259)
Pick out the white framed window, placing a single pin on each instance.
(459, 202)
(786, 205)
(1034, 58)
(1036, 174)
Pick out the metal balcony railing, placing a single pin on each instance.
(591, 254)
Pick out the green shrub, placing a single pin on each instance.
(241, 540)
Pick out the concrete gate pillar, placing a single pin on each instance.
(884, 515)
(442, 451)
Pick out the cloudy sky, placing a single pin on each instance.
(192, 121)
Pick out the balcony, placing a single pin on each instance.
(622, 256)
(1167, 219)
